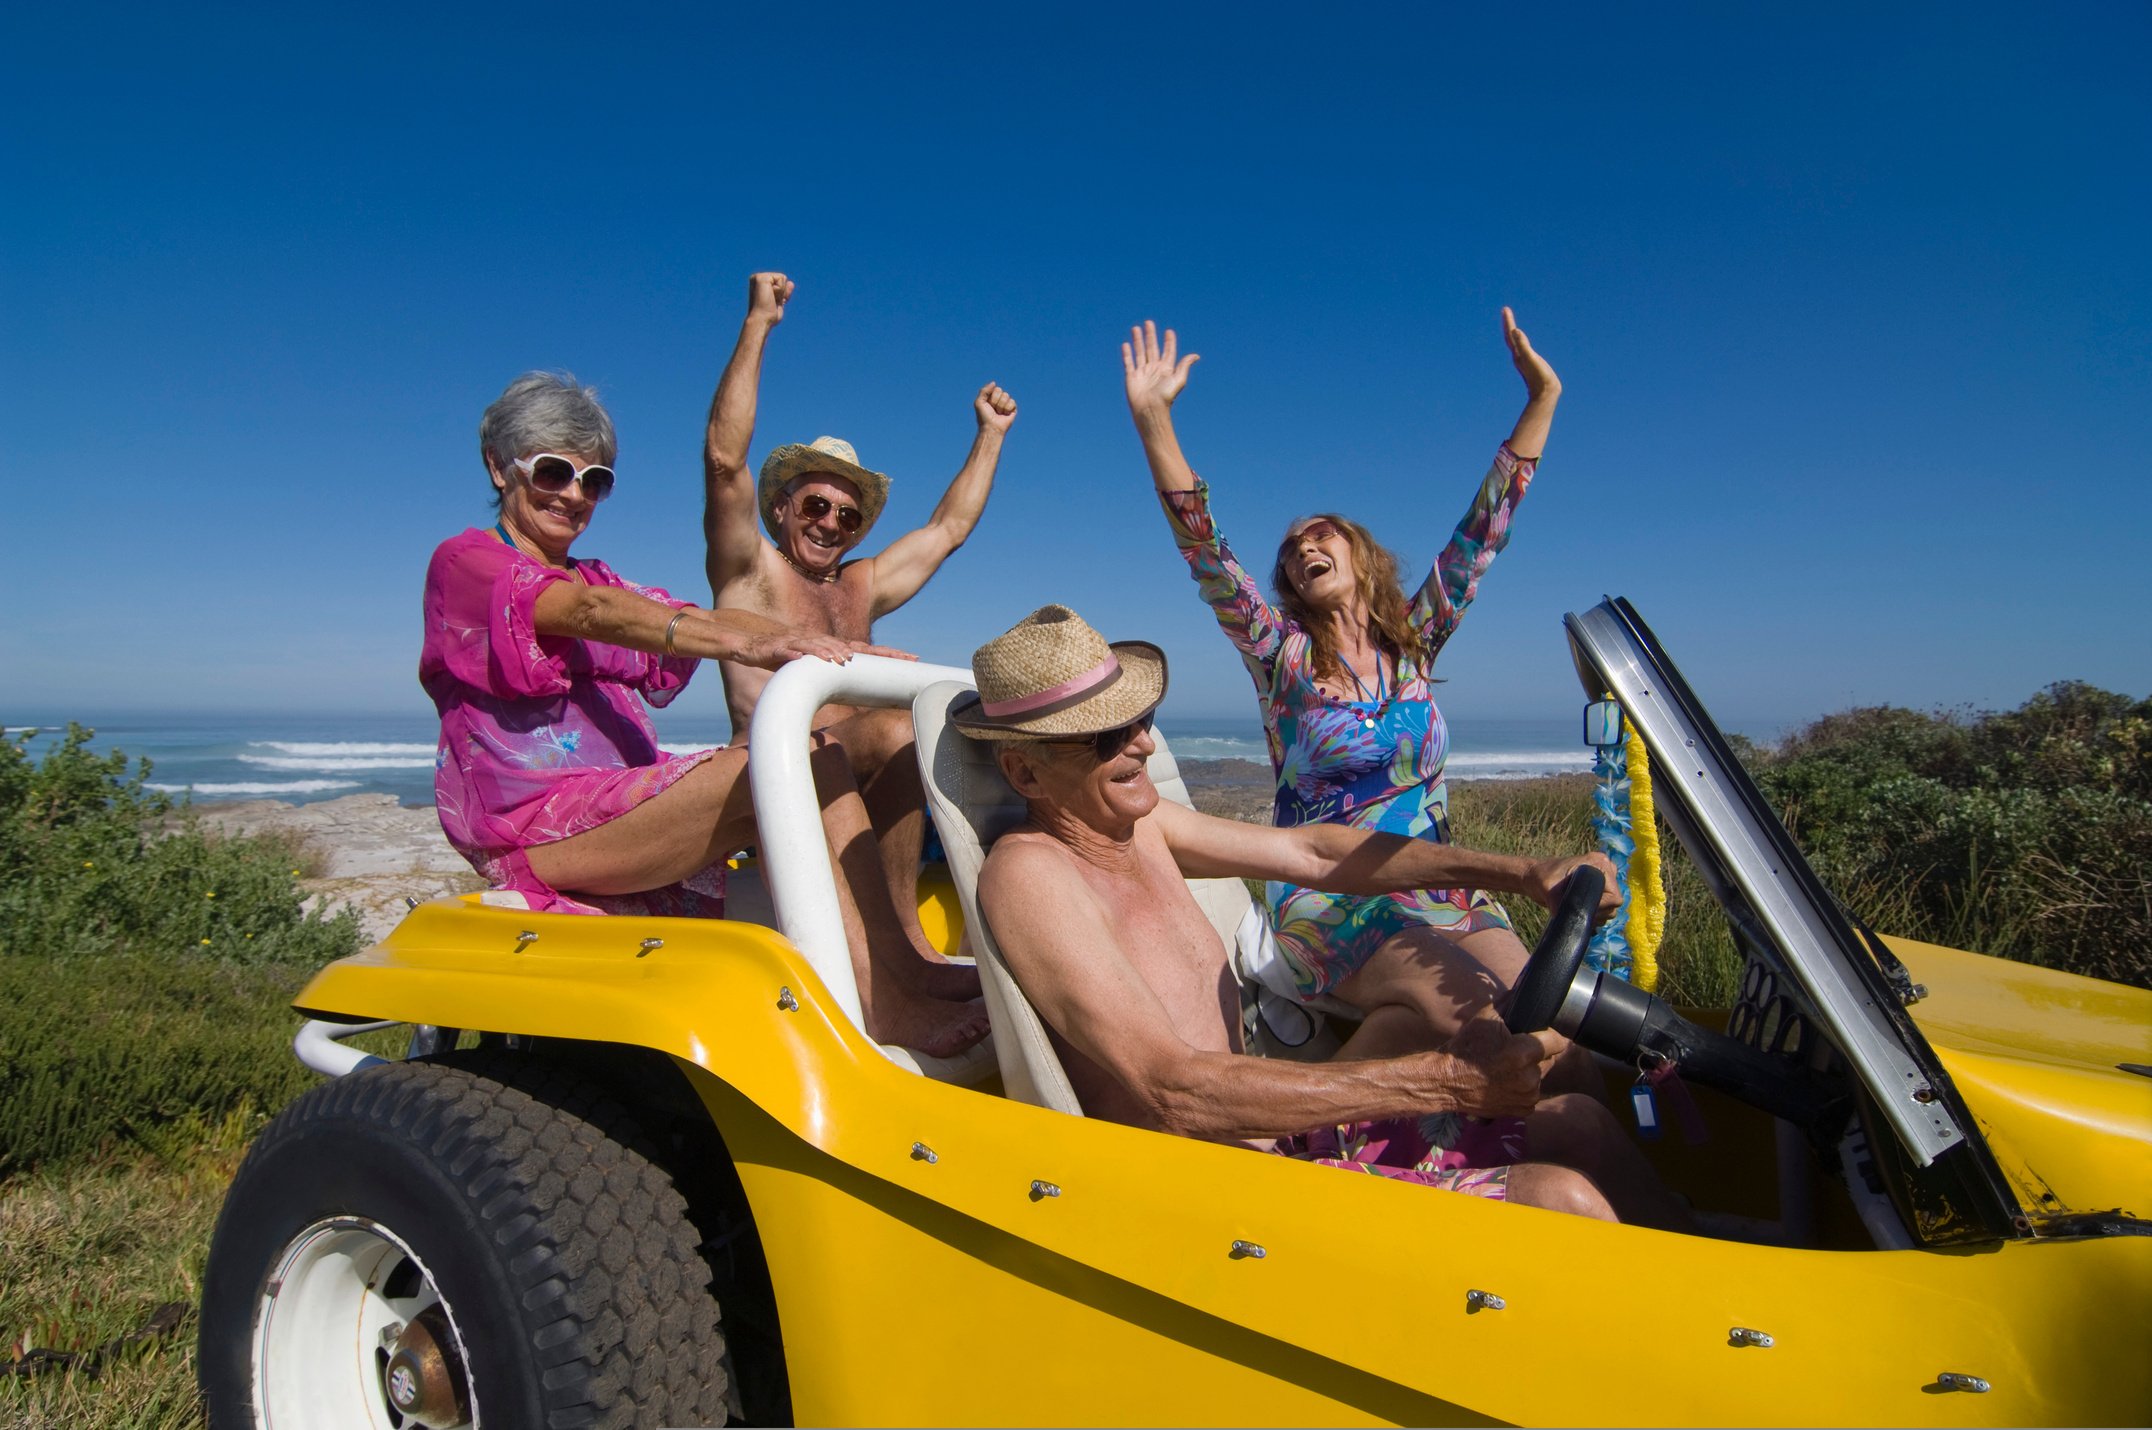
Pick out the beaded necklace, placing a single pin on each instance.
(815, 576)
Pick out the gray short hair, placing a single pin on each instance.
(546, 412)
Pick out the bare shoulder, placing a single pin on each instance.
(1021, 861)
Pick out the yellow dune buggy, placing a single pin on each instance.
(651, 1172)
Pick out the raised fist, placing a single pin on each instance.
(767, 294)
(995, 408)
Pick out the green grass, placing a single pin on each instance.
(89, 1251)
(124, 1048)
(1698, 965)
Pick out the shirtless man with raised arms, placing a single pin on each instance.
(818, 502)
(1089, 906)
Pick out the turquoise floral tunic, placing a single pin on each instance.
(1371, 764)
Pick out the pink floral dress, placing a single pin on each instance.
(543, 737)
(1372, 764)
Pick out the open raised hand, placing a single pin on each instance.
(1155, 373)
(767, 294)
(1539, 378)
(995, 408)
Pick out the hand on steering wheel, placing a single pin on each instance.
(1559, 953)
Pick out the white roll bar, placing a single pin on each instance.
(795, 855)
(320, 1046)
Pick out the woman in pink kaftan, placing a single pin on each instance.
(544, 736)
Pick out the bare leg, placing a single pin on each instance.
(1390, 1031)
(706, 816)
(1561, 1189)
(1422, 970)
(879, 744)
(894, 1012)
(894, 972)
(1445, 981)
(1574, 1131)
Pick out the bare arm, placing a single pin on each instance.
(1542, 389)
(617, 617)
(1154, 375)
(728, 512)
(1344, 860)
(1059, 945)
(911, 560)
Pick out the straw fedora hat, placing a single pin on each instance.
(833, 455)
(1051, 675)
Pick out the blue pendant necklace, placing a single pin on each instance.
(1379, 699)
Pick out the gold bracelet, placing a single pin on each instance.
(672, 626)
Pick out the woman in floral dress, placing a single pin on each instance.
(549, 778)
(1342, 660)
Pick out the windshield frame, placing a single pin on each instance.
(1764, 883)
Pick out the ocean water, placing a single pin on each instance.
(1479, 749)
(302, 758)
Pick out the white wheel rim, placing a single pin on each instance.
(322, 1323)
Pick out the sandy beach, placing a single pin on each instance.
(369, 853)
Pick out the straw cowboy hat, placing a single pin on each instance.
(832, 455)
(1051, 675)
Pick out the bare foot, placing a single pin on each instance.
(928, 1025)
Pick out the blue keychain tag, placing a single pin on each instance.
(1645, 1103)
(1602, 723)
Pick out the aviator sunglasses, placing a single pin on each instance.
(814, 506)
(551, 474)
(1321, 529)
(1108, 743)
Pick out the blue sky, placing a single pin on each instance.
(1851, 304)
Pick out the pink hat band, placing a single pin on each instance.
(1073, 691)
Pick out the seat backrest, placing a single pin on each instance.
(972, 807)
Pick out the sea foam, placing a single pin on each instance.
(262, 787)
(344, 748)
(338, 763)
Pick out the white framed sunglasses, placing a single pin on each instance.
(551, 473)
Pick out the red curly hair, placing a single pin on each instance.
(1374, 573)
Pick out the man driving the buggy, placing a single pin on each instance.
(1089, 906)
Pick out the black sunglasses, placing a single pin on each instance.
(551, 474)
(1108, 743)
(814, 506)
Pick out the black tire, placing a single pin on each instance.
(563, 1251)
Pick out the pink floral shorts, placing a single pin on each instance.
(1456, 1154)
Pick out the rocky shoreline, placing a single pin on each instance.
(368, 853)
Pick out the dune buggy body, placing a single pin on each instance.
(1954, 1193)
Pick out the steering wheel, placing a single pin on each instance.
(1558, 955)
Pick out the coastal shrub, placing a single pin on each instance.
(2025, 834)
(146, 966)
(118, 1049)
(92, 861)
